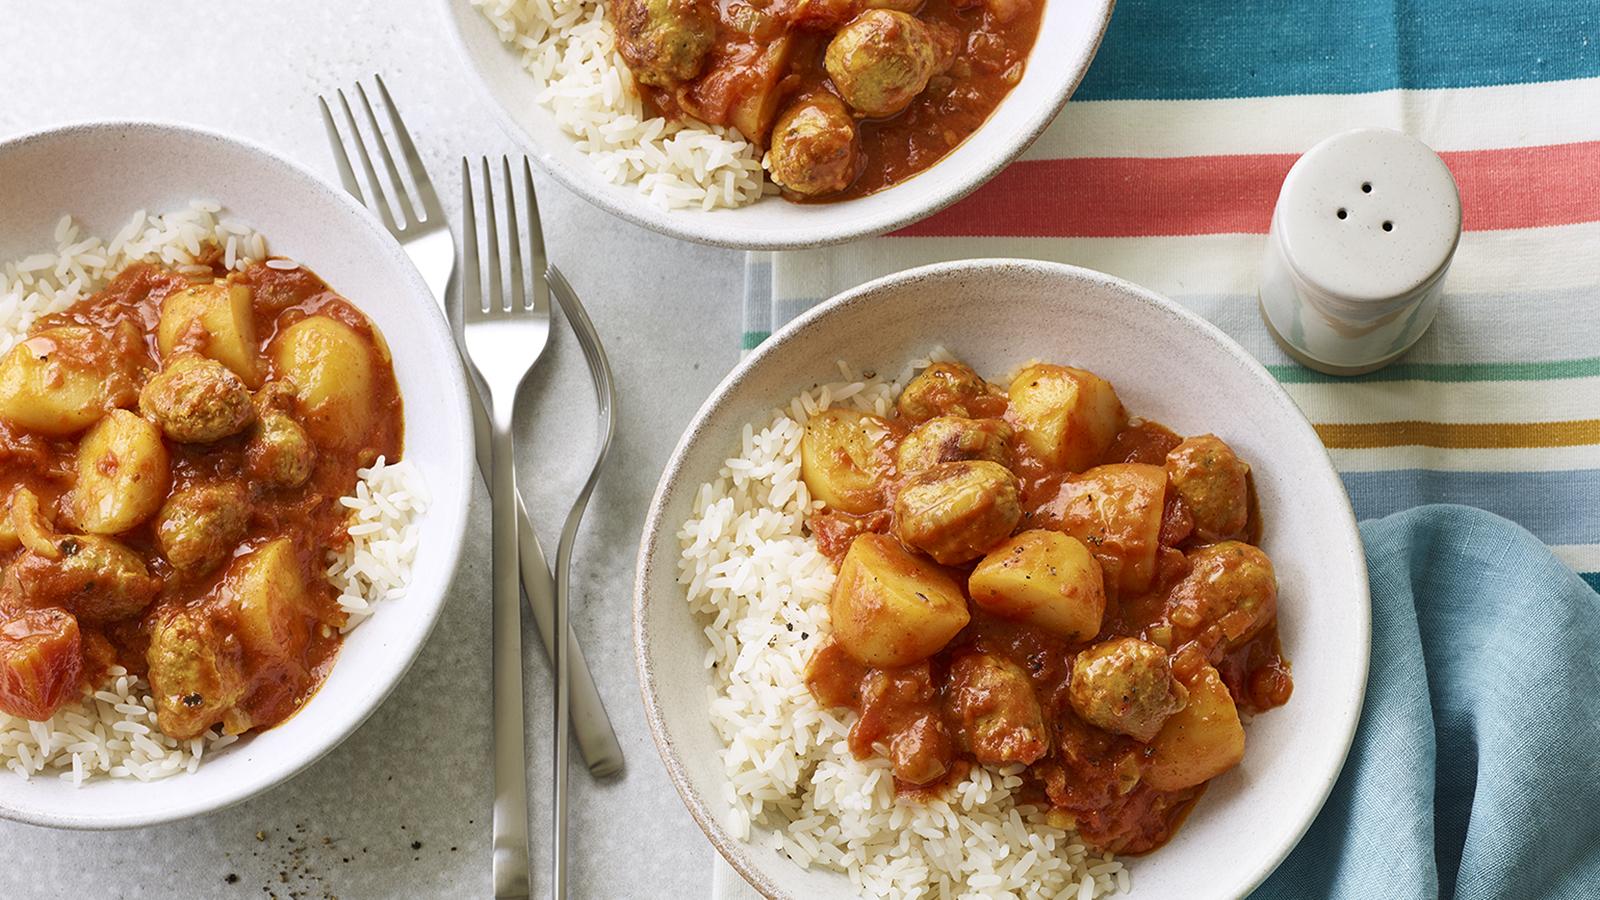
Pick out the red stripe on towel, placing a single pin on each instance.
(1521, 187)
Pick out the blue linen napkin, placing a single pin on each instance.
(1476, 767)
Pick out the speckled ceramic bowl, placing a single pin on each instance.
(1167, 364)
(1069, 35)
(101, 173)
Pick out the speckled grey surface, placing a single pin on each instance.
(417, 773)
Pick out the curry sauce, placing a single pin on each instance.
(1159, 605)
(183, 532)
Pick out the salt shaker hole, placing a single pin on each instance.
(1388, 226)
(1341, 213)
(1366, 187)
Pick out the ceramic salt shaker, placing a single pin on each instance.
(1362, 236)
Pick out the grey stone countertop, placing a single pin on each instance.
(401, 809)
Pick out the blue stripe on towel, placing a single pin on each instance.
(1541, 502)
(1171, 50)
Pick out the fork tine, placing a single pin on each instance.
(471, 273)
(497, 297)
(419, 172)
(541, 287)
(341, 158)
(379, 203)
(519, 294)
(402, 198)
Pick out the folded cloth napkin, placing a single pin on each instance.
(1475, 771)
(1476, 768)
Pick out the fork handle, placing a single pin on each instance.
(591, 726)
(510, 757)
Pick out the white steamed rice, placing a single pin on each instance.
(761, 587)
(113, 733)
(569, 47)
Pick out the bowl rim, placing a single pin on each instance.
(697, 227)
(734, 851)
(459, 423)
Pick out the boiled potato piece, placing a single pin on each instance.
(267, 591)
(843, 457)
(122, 474)
(891, 608)
(1200, 741)
(1115, 510)
(61, 381)
(755, 109)
(214, 320)
(330, 366)
(1067, 417)
(956, 511)
(1044, 578)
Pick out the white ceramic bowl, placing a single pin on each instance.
(1167, 364)
(1069, 35)
(101, 173)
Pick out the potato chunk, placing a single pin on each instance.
(945, 439)
(1116, 510)
(1229, 595)
(200, 526)
(1200, 741)
(955, 512)
(1044, 578)
(216, 321)
(61, 381)
(891, 608)
(122, 474)
(1067, 417)
(1125, 686)
(949, 389)
(331, 367)
(843, 458)
(1214, 484)
(196, 400)
(266, 590)
(995, 711)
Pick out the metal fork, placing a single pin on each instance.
(504, 341)
(425, 235)
(606, 396)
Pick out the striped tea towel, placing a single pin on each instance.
(1164, 169)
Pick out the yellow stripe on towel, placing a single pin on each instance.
(1460, 436)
